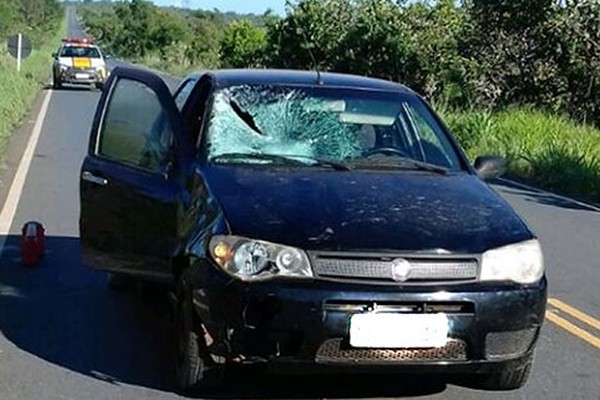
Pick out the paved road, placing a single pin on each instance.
(64, 335)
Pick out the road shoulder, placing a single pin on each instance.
(16, 145)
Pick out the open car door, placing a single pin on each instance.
(127, 191)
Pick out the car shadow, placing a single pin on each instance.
(541, 197)
(254, 383)
(63, 312)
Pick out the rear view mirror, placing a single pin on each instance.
(490, 167)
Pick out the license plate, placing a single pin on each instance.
(395, 331)
(82, 76)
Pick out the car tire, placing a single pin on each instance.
(195, 369)
(99, 86)
(56, 84)
(509, 378)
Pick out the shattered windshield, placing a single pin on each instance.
(258, 124)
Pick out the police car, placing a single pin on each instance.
(79, 61)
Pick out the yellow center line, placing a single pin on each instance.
(573, 329)
(591, 321)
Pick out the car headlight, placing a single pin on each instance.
(521, 263)
(63, 67)
(251, 260)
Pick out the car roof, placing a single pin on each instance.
(235, 77)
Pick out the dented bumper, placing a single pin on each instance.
(306, 324)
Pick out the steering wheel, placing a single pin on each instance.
(386, 151)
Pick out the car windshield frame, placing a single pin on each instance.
(400, 96)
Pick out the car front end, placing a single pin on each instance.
(369, 312)
(87, 74)
(81, 76)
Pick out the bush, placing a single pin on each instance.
(20, 89)
(544, 149)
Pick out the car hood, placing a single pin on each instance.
(317, 209)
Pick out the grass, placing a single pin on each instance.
(19, 90)
(172, 68)
(547, 150)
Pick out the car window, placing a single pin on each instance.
(184, 92)
(326, 123)
(135, 131)
(430, 144)
(80, 51)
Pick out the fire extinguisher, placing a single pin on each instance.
(33, 243)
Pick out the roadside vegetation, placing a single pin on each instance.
(43, 23)
(518, 78)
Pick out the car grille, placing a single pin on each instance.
(395, 269)
(334, 351)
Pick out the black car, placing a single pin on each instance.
(311, 221)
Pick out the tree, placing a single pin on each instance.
(580, 61)
(243, 45)
(167, 32)
(437, 35)
(377, 43)
(517, 56)
(133, 37)
(35, 18)
(310, 35)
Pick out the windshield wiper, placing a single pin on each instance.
(282, 159)
(255, 156)
(322, 163)
(407, 163)
(245, 116)
(425, 166)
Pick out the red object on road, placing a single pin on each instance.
(33, 243)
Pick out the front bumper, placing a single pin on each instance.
(85, 76)
(306, 324)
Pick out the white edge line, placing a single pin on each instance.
(558, 196)
(12, 200)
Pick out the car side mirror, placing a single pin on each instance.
(490, 167)
(54, 55)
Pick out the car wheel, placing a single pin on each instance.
(194, 368)
(509, 378)
(99, 86)
(56, 84)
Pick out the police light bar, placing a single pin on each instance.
(77, 41)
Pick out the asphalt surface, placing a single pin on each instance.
(65, 335)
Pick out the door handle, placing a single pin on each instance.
(88, 176)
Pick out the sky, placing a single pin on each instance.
(240, 6)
